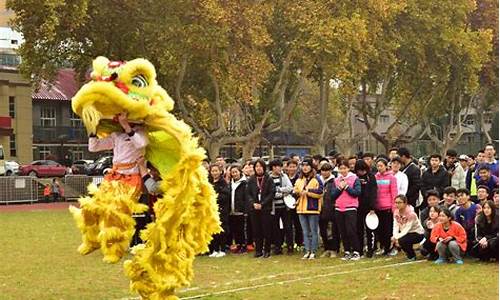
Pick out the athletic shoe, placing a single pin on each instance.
(221, 254)
(440, 261)
(312, 256)
(214, 254)
(379, 252)
(347, 256)
(355, 256)
(411, 258)
(393, 252)
(459, 262)
(333, 254)
(306, 256)
(326, 254)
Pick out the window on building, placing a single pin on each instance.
(9, 60)
(77, 153)
(12, 143)
(76, 122)
(12, 106)
(44, 152)
(48, 117)
(384, 119)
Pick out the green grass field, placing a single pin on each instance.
(39, 261)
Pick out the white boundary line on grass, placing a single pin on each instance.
(271, 276)
(299, 279)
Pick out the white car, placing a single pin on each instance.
(11, 168)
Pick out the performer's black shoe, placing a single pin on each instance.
(266, 255)
(258, 254)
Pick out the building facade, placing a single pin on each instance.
(57, 131)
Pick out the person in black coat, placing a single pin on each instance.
(238, 208)
(412, 171)
(367, 201)
(435, 178)
(486, 243)
(327, 215)
(260, 193)
(217, 246)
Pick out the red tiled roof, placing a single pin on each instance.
(63, 88)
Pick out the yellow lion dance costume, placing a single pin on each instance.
(186, 213)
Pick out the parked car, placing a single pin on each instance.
(80, 166)
(100, 166)
(43, 168)
(11, 168)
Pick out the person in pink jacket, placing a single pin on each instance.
(387, 190)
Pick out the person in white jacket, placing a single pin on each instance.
(279, 211)
(407, 229)
(457, 173)
(401, 178)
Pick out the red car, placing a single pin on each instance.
(43, 168)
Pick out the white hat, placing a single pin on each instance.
(463, 157)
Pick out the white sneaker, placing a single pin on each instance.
(306, 256)
(347, 256)
(393, 252)
(214, 254)
(379, 252)
(355, 256)
(221, 254)
(312, 256)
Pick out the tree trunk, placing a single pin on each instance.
(249, 147)
(321, 139)
(213, 147)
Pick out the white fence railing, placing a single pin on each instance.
(18, 189)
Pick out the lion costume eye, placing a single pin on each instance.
(139, 81)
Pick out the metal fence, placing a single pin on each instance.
(75, 186)
(15, 189)
(18, 189)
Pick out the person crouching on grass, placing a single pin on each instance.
(486, 243)
(450, 238)
(345, 195)
(309, 190)
(407, 229)
(428, 247)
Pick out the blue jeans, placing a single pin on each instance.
(310, 227)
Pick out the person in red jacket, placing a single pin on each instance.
(450, 238)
